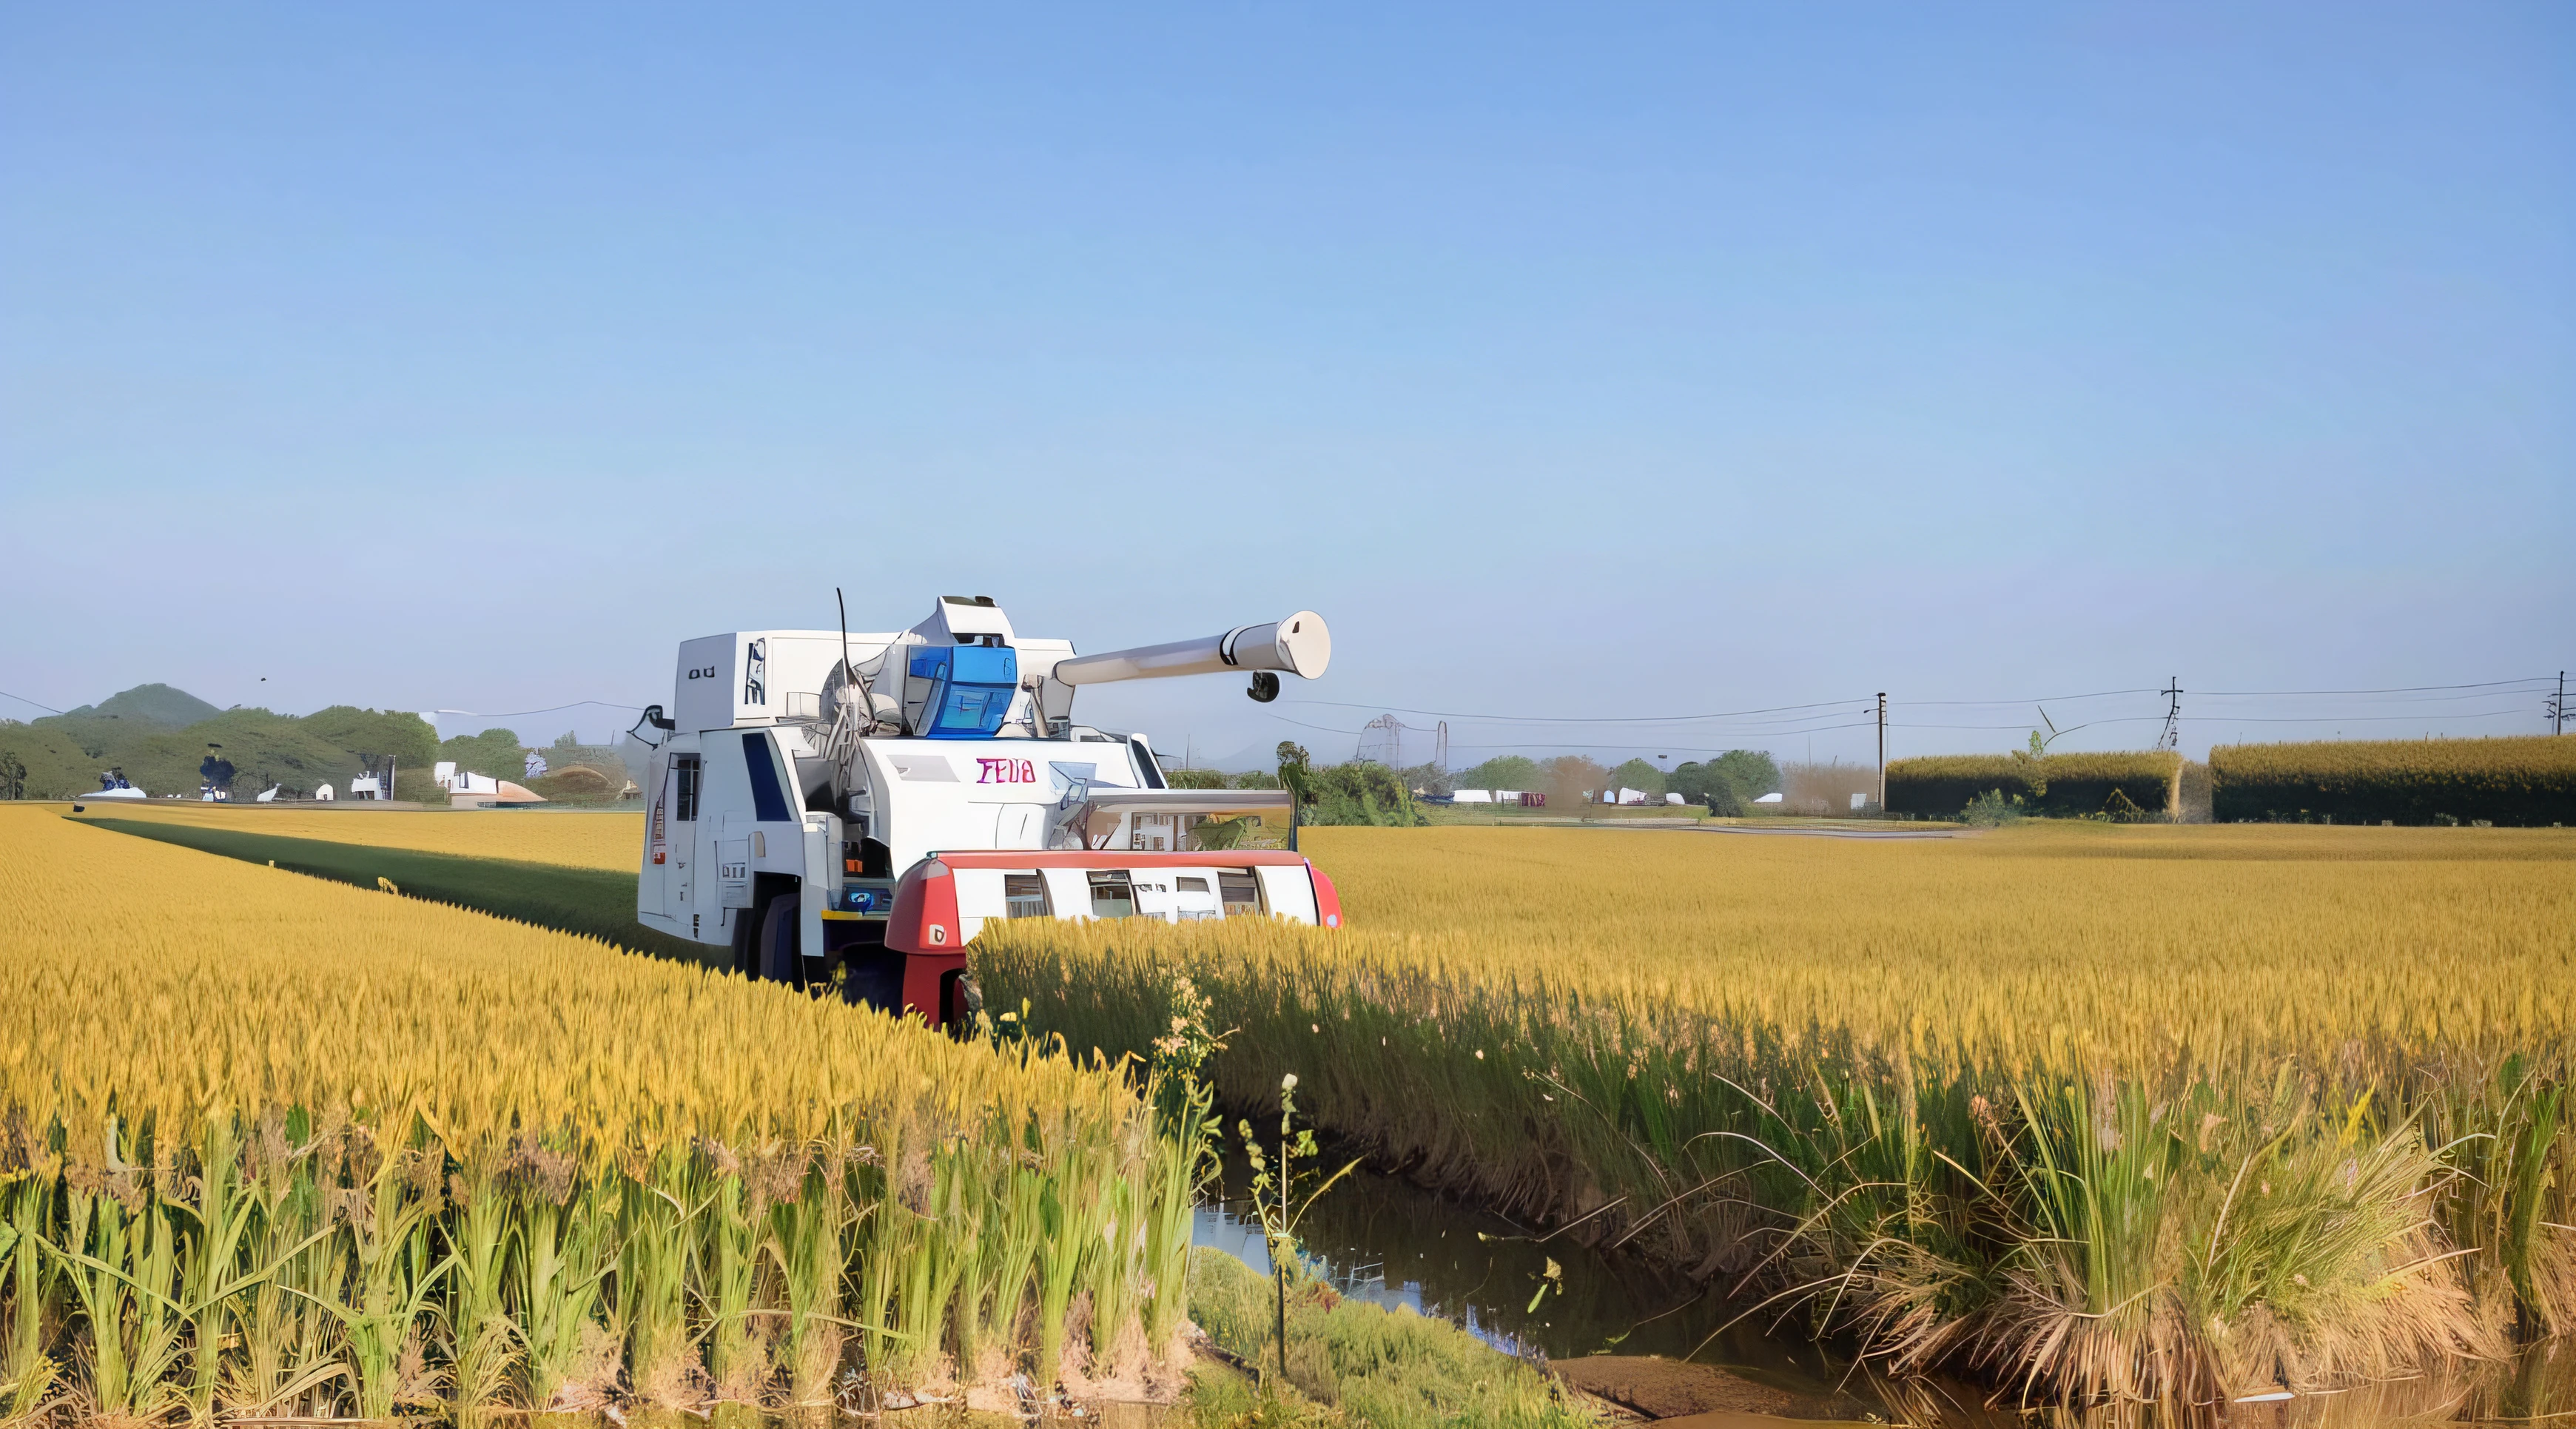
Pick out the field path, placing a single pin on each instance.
(609, 842)
(1817, 833)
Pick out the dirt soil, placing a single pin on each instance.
(1686, 1395)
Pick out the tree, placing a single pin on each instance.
(1360, 792)
(1429, 780)
(1639, 775)
(1503, 771)
(399, 733)
(1293, 774)
(1729, 783)
(494, 753)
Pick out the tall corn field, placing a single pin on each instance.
(276, 1147)
(2522, 779)
(2103, 1114)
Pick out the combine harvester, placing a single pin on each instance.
(820, 800)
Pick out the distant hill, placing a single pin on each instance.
(151, 704)
(161, 736)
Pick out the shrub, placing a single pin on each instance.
(2063, 785)
(1991, 808)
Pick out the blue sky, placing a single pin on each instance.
(1578, 363)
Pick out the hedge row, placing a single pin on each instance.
(2525, 779)
(2062, 784)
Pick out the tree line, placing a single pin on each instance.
(1364, 791)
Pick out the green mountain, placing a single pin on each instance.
(149, 704)
(163, 739)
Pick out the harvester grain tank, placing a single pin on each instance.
(844, 806)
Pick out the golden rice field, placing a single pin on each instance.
(2102, 1113)
(276, 1146)
(607, 841)
(2114, 940)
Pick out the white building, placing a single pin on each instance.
(479, 791)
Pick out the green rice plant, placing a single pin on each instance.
(212, 1272)
(481, 1342)
(289, 1347)
(1074, 1214)
(1183, 1165)
(393, 1279)
(120, 1254)
(564, 1253)
(1115, 1295)
(731, 1230)
(656, 1235)
(28, 1273)
(808, 1230)
(990, 1308)
(921, 1258)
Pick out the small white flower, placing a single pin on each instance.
(1288, 1083)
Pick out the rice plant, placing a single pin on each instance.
(271, 1146)
(2105, 1114)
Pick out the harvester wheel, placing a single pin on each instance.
(778, 959)
(872, 977)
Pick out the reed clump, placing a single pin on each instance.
(2105, 1114)
(271, 1146)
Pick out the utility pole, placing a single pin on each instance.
(2558, 706)
(1882, 751)
(2172, 737)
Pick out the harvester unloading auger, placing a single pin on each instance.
(818, 800)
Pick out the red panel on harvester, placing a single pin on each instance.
(924, 927)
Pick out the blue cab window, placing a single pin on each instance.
(976, 685)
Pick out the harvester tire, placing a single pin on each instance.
(873, 977)
(778, 959)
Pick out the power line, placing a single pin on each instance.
(2395, 690)
(550, 709)
(1580, 719)
(2238, 719)
(2038, 700)
(22, 699)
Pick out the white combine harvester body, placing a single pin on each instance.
(868, 802)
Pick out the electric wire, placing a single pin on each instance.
(1582, 719)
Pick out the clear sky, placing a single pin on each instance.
(1578, 361)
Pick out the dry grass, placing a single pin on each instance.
(607, 841)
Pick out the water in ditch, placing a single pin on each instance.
(1385, 1240)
